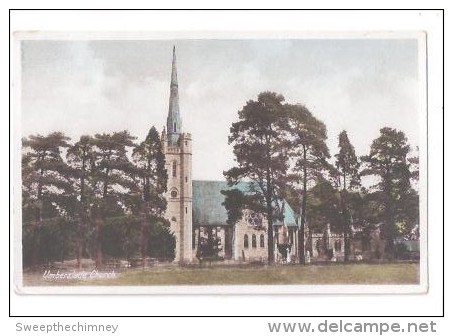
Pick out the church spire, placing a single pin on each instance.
(174, 123)
(174, 75)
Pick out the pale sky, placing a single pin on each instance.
(88, 87)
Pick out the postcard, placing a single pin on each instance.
(220, 163)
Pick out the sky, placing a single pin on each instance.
(92, 86)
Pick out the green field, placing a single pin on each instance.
(392, 273)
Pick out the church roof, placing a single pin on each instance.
(207, 208)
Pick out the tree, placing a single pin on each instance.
(260, 150)
(121, 236)
(349, 180)
(162, 241)
(209, 247)
(412, 200)
(323, 206)
(235, 201)
(112, 181)
(388, 162)
(80, 159)
(152, 184)
(311, 153)
(347, 163)
(414, 166)
(46, 190)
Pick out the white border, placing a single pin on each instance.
(392, 21)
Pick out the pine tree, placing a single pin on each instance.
(260, 151)
(112, 181)
(80, 158)
(311, 153)
(46, 192)
(348, 170)
(152, 184)
(235, 201)
(323, 206)
(388, 162)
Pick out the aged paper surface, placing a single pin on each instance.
(89, 209)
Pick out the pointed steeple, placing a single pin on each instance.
(174, 123)
(174, 74)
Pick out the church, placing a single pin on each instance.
(195, 210)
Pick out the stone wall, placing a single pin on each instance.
(246, 251)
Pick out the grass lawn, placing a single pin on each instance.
(397, 273)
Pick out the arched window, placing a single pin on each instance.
(174, 194)
(246, 241)
(261, 240)
(174, 127)
(173, 169)
(254, 241)
(338, 245)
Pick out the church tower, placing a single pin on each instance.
(177, 147)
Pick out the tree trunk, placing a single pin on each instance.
(270, 226)
(37, 235)
(98, 243)
(81, 222)
(347, 245)
(270, 229)
(346, 224)
(36, 257)
(270, 241)
(303, 211)
(389, 231)
(79, 245)
(301, 245)
(143, 239)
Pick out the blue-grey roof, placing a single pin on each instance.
(207, 208)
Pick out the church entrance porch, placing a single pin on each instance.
(212, 243)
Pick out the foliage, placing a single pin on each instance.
(122, 238)
(150, 163)
(208, 248)
(347, 163)
(88, 204)
(112, 181)
(308, 145)
(323, 206)
(80, 158)
(46, 194)
(161, 242)
(151, 182)
(105, 196)
(388, 161)
(347, 166)
(260, 151)
(55, 238)
(308, 148)
(414, 163)
(234, 204)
